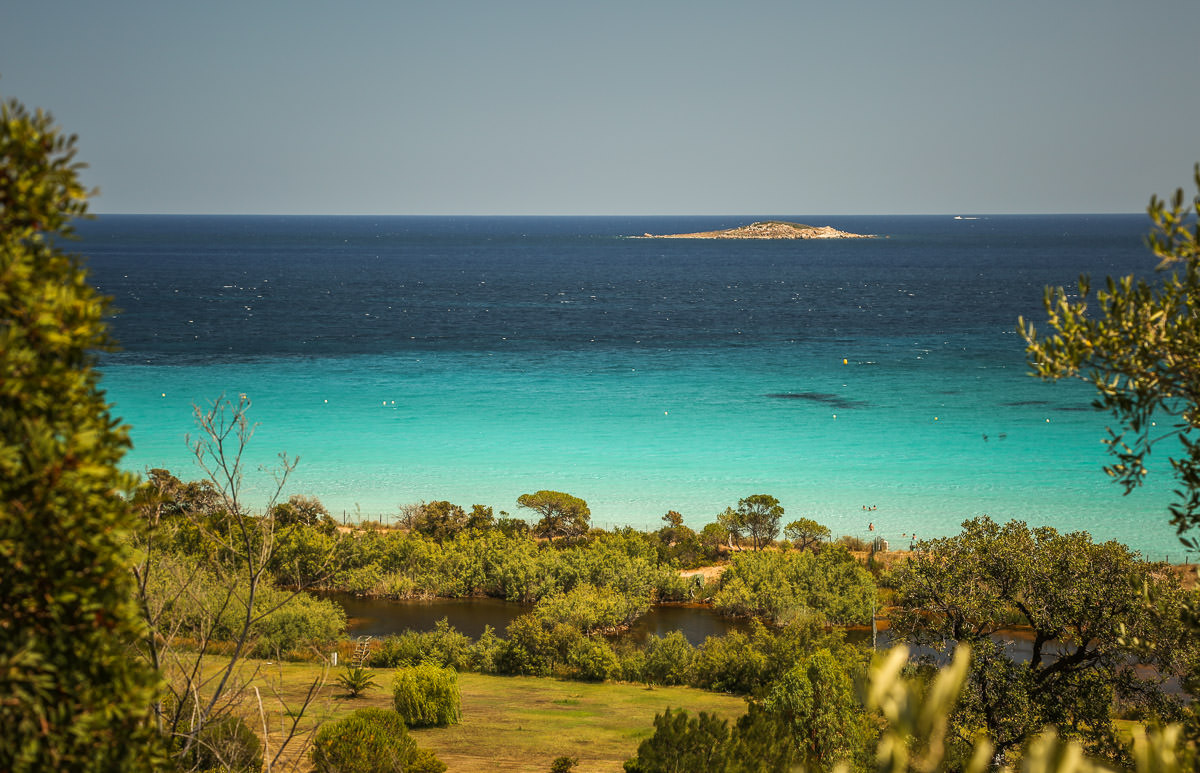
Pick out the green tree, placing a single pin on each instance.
(668, 659)
(712, 537)
(805, 533)
(1139, 350)
(300, 510)
(778, 586)
(816, 701)
(681, 743)
(480, 518)
(440, 520)
(1082, 604)
(733, 523)
(563, 515)
(370, 740)
(426, 695)
(758, 743)
(72, 698)
(761, 514)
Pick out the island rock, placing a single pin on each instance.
(770, 229)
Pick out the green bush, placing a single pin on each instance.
(729, 663)
(633, 664)
(368, 741)
(426, 695)
(73, 698)
(485, 652)
(444, 646)
(776, 586)
(528, 650)
(229, 745)
(592, 660)
(303, 622)
(590, 609)
(356, 681)
(669, 659)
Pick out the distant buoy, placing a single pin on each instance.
(164, 394)
(845, 361)
(935, 418)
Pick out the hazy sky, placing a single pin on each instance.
(617, 107)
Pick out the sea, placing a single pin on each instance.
(878, 386)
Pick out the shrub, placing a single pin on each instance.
(426, 695)
(633, 664)
(592, 660)
(669, 659)
(729, 663)
(361, 580)
(777, 586)
(443, 646)
(305, 621)
(529, 649)
(228, 744)
(485, 652)
(357, 681)
(368, 741)
(850, 542)
(591, 609)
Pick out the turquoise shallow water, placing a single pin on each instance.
(679, 391)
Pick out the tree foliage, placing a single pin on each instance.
(426, 695)
(370, 740)
(805, 533)
(1081, 603)
(72, 699)
(1140, 351)
(780, 586)
(760, 514)
(757, 743)
(563, 515)
(816, 700)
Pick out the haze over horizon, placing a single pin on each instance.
(542, 108)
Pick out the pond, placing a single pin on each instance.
(384, 617)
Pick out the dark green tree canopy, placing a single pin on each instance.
(760, 513)
(805, 533)
(440, 520)
(1082, 603)
(563, 515)
(73, 699)
(1139, 348)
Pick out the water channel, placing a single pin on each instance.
(384, 617)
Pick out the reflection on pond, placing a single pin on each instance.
(384, 617)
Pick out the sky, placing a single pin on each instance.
(616, 107)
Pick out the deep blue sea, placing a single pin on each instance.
(475, 359)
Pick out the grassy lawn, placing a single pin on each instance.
(511, 723)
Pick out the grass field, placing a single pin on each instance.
(508, 723)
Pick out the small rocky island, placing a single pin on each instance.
(770, 229)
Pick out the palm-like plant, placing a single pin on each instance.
(357, 680)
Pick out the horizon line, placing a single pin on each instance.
(962, 214)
